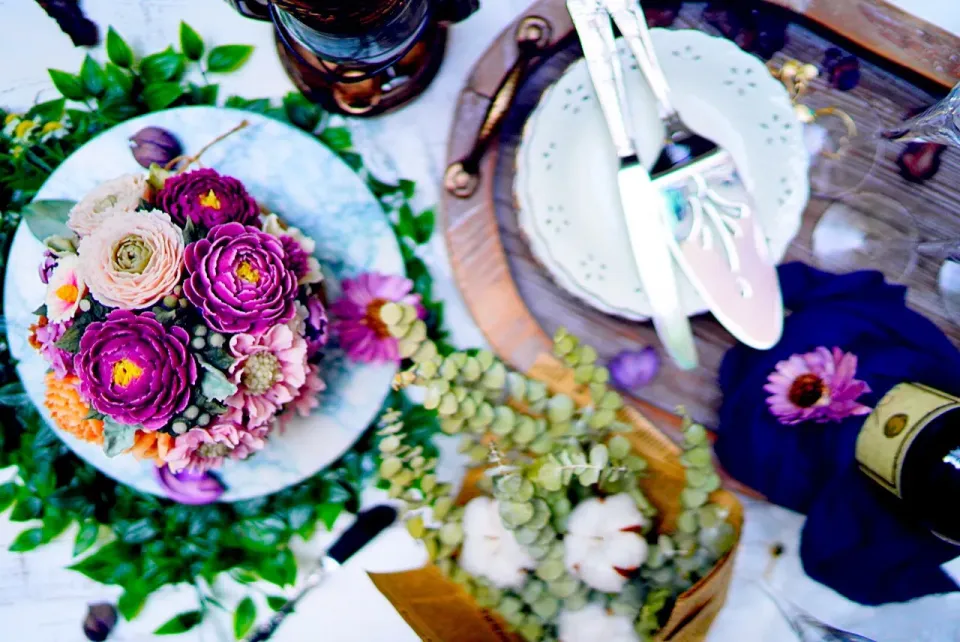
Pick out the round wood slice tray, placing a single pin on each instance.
(513, 299)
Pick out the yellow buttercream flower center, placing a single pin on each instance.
(67, 292)
(126, 372)
(248, 273)
(210, 200)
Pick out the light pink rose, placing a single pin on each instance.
(123, 193)
(133, 259)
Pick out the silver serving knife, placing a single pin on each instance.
(644, 209)
(369, 524)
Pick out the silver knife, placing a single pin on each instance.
(369, 524)
(644, 209)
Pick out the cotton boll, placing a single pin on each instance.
(604, 544)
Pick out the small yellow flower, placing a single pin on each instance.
(22, 130)
(9, 120)
(53, 129)
(17, 151)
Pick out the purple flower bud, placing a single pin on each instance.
(634, 369)
(188, 487)
(100, 620)
(154, 145)
(47, 266)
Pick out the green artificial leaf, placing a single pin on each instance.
(12, 395)
(54, 520)
(407, 188)
(301, 112)
(48, 218)
(27, 508)
(116, 108)
(86, 537)
(259, 105)
(215, 385)
(27, 540)
(117, 438)
(180, 623)
(118, 50)
(92, 76)
(328, 514)
(70, 340)
(352, 159)
(67, 84)
(276, 603)
(131, 601)
(423, 226)
(162, 66)
(161, 95)
(244, 617)
(406, 227)
(190, 42)
(8, 493)
(204, 94)
(49, 111)
(226, 58)
(337, 138)
(279, 568)
(119, 82)
(260, 533)
(136, 532)
(301, 517)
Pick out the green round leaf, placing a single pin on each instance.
(619, 447)
(180, 623)
(118, 50)
(244, 617)
(516, 514)
(227, 58)
(67, 84)
(190, 42)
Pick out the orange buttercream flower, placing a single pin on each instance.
(69, 411)
(152, 445)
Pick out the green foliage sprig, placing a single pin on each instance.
(125, 538)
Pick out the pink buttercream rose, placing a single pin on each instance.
(269, 371)
(133, 259)
(124, 193)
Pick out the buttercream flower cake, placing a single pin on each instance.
(181, 324)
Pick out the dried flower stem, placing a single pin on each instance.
(190, 160)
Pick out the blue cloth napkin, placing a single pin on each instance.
(855, 540)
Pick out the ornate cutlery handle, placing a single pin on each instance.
(533, 37)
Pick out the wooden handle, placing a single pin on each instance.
(533, 36)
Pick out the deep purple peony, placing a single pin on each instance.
(239, 279)
(134, 370)
(208, 199)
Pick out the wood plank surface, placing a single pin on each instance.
(518, 306)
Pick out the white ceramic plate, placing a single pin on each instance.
(566, 182)
(311, 188)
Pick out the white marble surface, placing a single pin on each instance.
(42, 602)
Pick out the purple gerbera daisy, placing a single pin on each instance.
(816, 386)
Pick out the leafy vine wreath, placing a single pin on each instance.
(140, 542)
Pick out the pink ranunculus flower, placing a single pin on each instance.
(201, 449)
(65, 289)
(122, 194)
(816, 386)
(133, 259)
(269, 370)
(357, 323)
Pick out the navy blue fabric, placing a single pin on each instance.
(811, 467)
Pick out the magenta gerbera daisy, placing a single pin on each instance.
(816, 386)
(362, 334)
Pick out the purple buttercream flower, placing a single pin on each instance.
(44, 337)
(296, 257)
(189, 486)
(239, 280)
(317, 325)
(208, 199)
(47, 266)
(134, 370)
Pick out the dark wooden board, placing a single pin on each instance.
(518, 306)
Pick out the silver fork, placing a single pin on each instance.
(682, 146)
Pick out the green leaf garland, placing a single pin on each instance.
(139, 542)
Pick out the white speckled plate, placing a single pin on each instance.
(566, 182)
(311, 188)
